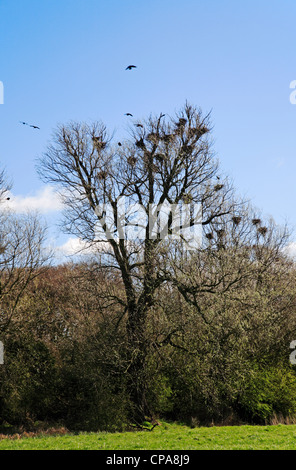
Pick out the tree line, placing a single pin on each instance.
(143, 329)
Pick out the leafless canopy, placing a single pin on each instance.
(162, 160)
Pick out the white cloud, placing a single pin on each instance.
(74, 246)
(279, 162)
(44, 201)
(290, 250)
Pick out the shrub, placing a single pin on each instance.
(270, 391)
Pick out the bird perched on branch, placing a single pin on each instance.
(181, 122)
(140, 144)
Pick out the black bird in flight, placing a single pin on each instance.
(130, 67)
(26, 124)
(128, 114)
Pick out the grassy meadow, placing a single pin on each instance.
(167, 436)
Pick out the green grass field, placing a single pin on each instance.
(165, 437)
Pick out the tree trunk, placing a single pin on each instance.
(138, 348)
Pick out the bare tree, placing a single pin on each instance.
(22, 258)
(5, 186)
(163, 161)
(22, 254)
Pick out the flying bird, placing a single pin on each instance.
(30, 125)
(130, 67)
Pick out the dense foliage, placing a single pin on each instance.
(66, 360)
(144, 327)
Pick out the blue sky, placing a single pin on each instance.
(63, 60)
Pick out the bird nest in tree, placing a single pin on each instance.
(236, 219)
(153, 137)
(99, 144)
(167, 138)
(102, 175)
(262, 230)
(220, 232)
(197, 132)
(159, 157)
(181, 122)
(132, 161)
(187, 149)
(256, 221)
(140, 144)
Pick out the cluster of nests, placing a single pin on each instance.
(154, 138)
(180, 125)
(261, 230)
(236, 220)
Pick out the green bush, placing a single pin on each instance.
(27, 382)
(71, 390)
(269, 391)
